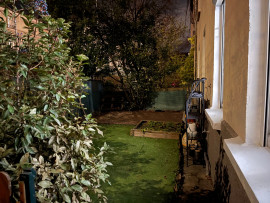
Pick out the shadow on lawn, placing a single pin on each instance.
(138, 173)
(143, 191)
(132, 167)
(128, 164)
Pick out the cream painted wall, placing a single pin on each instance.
(236, 64)
(235, 56)
(205, 39)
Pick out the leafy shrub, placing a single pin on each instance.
(40, 88)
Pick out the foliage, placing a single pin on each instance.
(131, 41)
(169, 33)
(118, 37)
(186, 72)
(80, 38)
(161, 126)
(40, 88)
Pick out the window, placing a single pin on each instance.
(222, 38)
(218, 76)
(215, 113)
(267, 108)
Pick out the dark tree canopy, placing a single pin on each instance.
(120, 38)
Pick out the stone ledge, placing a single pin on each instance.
(214, 116)
(252, 165)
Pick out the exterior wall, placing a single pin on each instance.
(19, 23)
(226, 182)
(236, 64)
(205, 45)
(236, 50)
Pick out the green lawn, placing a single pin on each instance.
(143, 168)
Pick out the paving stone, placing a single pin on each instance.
(206, 184)
(191, 181)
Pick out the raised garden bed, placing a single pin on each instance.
(157, 129)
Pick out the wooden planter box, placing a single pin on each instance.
(153, 134)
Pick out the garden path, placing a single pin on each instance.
(133, 117)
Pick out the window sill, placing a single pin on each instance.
(214, 116)
(252, 165)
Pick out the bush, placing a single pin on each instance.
(40, 86)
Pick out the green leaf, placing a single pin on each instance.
(33, 111)
(73, 164)
(10, 109)
(29, 138)
(24, 74)
(40, 87)
(6, 114)
(57, 97)
(85, 197)
(99, 191)
(82, 57)
(45, 107)
(29, 149)
(26, 22)
(6, 12)
(77, 188)
(51, 140)
(5, 27)
(66, 198)
(45, 184)
(86, 182)
(54, 112)
(57, 121)
(109, 163)
(24, 159)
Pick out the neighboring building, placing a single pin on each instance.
(232, 53)
(15, 23)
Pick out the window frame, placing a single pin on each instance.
(222, 45)
(266, 140)
(219, 44)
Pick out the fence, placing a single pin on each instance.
(170, 100)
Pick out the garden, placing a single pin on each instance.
(45, 64)
(143, 170)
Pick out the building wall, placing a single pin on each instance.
(16, 25)
(236, 64)
(205, 45)
(227, 184)
(19, 22)
(226, 180)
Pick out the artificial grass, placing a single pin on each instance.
(143, 169)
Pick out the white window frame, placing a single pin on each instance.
(266, 141)
(222, 45)
(215, 113)
(219, 35)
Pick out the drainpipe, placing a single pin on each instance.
(195, 15)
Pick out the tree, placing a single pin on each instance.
(169, 33)
(80, 14)
(40, 86)
(131, 41)
(186, 71)
(120, 41)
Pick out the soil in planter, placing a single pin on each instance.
(160, 126)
